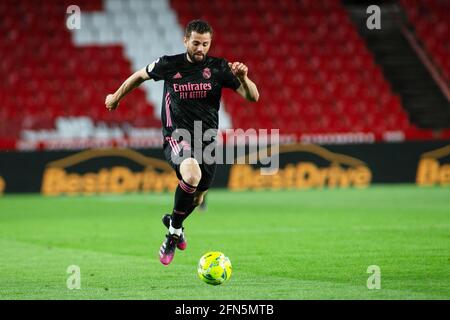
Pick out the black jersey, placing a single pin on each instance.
(192, 91)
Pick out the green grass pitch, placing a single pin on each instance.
(314, 244)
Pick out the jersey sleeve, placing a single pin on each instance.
(157, 70)
(229, 80)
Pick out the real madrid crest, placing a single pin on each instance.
(206, 73)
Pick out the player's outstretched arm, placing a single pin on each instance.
(248, 89)
(134, 81)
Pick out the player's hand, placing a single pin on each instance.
(239, 69)
(111, 103)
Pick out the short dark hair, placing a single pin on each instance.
(199, 26)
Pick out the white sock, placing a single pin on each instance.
(172, 230)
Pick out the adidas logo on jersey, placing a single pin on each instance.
(177, 76)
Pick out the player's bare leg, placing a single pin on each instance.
(185, 196)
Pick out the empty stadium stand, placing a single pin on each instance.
(432, 26)
(315, 72)
(46, 75)
(406, 66)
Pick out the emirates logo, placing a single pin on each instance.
(206, 73)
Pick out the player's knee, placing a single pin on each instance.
(192, 178)
(190, 171)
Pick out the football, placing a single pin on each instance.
(214, 268)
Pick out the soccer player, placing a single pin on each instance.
(193, 83)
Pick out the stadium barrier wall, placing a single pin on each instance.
(301, 166)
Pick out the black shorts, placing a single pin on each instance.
(180, 148)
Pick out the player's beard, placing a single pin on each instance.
(194, 58)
